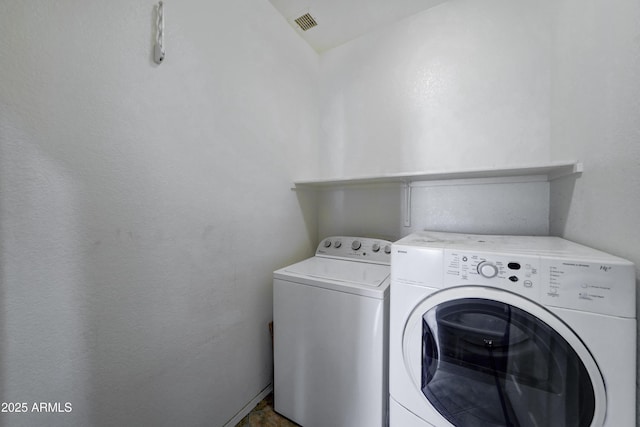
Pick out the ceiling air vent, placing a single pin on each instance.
(306, 22)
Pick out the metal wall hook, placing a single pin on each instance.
(158, 50)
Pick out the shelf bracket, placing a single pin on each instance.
(406, 203)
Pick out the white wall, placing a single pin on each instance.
(143, 207)
(596, 118)
(490, 206)
(462, 85)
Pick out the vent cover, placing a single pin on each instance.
(306, 22)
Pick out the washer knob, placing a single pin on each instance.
(327, 243)
(337, 244)
(387, 249)
(487, 269)
(375, 247)
(356, 245)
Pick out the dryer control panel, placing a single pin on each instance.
(516, 273)
(598, 286)
(605, 286)
(356, 248)
(552, 271)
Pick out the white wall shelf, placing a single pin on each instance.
(551, 171)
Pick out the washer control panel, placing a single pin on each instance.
(363, 248)
(516, 273)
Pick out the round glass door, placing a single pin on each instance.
(487, 363)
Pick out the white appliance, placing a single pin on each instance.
(510, 331)
(331, 328)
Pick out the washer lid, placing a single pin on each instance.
(359, 273)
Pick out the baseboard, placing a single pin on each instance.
(249, 406)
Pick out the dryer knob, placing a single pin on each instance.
(327, 243)
(375, 247)
(487, 269)
(356, 245)
(387, 249)
(337, 244)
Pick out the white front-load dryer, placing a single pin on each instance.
(510, 331)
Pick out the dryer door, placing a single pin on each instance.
(487, 357)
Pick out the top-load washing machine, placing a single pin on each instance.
(331, 333)
(510, 331)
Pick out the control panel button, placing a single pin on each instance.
(487, 269)
(528, 283)
(387, 249)
(513, 278)
(337, 244)
(327, 243)
(375, 247)
(513, 266)
(356, 245)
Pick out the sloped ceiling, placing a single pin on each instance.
(342, 20)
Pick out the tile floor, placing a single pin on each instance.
(263, 415)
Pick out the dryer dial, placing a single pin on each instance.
(487, 269)
(356, 245)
